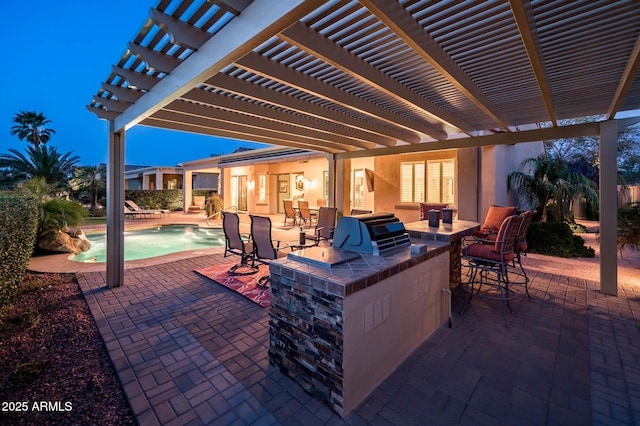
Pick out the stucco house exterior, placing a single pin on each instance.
(468, 179)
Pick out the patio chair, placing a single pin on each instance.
(356, 212)
(424, 210)
(198, 204)
(488, 262)
(289, 212)
(495, 216)
(325, 226)
(235, 244)
(304, 212)
(521, 245)
(263, 248)
(134, 207)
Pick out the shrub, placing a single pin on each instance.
(629, 226)
(18, 225)
(156, 199)
(556, 239)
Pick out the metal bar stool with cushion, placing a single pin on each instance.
(488, 262)
(492, 222)
(235, 244)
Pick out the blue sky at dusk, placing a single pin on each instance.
(62, 52)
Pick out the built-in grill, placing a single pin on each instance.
(378, 233)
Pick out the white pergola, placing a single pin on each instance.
(354, 78)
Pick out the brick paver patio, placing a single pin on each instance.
(189, 351)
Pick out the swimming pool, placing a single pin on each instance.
(152, 242)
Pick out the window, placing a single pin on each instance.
(412, 182)
(357, 188)
(262, 188)
(440, 182)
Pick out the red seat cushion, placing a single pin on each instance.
(486, 251)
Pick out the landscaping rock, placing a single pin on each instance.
(61, 242)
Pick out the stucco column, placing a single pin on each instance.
(115, 208)
(331, 171)
(186, 190)
(159, 176)
(608, 208)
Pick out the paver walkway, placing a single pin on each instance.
(189, 351)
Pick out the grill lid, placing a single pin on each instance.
(377, 233)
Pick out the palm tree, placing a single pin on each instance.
(56, 214)
(90, 178)
(550, 182)
(30, 126)
(45, 162)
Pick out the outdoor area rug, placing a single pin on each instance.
(242, 284)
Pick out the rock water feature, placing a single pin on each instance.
(72, 241)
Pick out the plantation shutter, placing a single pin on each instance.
(411, 182)
(448, 190)
(434, 182)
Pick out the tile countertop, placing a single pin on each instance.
(352, 275)
(445, 232)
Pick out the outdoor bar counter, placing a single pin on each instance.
(452, 233)
(340, 330)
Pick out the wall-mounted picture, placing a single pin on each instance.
(284, 186)
(300, 182)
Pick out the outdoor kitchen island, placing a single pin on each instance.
(342, 321)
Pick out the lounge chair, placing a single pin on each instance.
(325, 226)
(133, 206)
(289, 212)
(263, 248)
(142, 214)
(235, 244)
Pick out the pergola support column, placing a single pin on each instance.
(187, 186)
(115, 208)
(608, 207)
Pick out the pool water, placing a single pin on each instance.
(152, 242)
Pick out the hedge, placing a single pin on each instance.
(156, 199)
(18, 226)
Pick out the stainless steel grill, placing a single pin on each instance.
(377, 234)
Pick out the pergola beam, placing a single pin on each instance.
(275, 71)
(180, 32)
(136, 79)
(402, 23)
(629, 75)
(246, 130)
(225, 133)
(124, 94)
(349, 135)
(156, 61)
(259, 21)
(578, 130)
(523, 15)
(307, 39)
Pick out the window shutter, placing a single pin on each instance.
(448, 190)
(418, 183)
(433, 182)
(406, 182)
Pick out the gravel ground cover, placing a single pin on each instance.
(55, 368)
